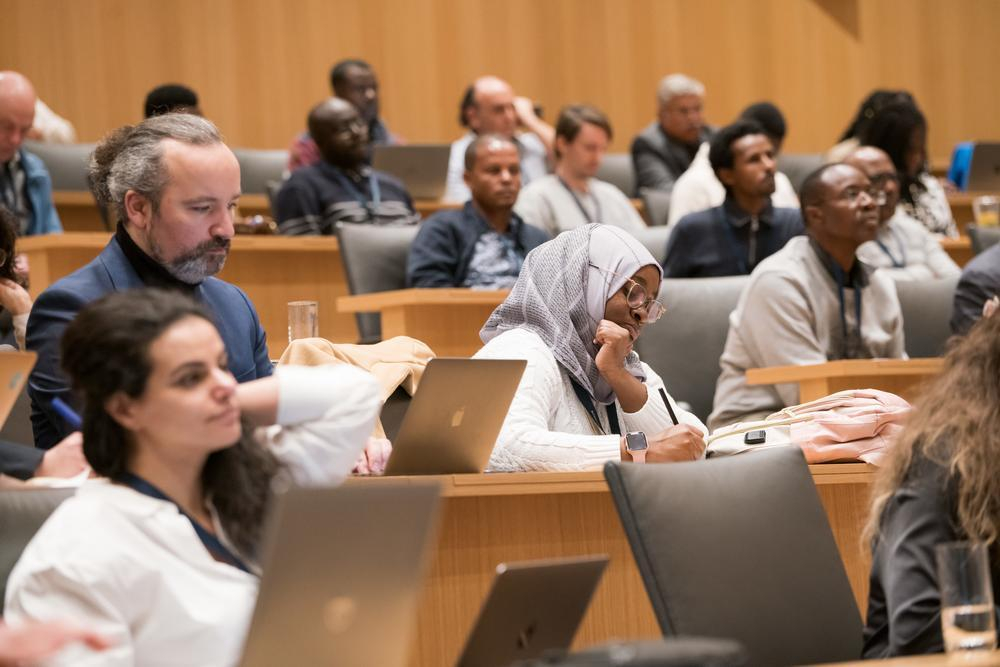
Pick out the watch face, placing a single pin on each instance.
(636, 441)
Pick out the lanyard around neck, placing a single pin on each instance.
(370, 205)
(215, 546)
(896, 263)
(588, 405)
(579, 204)
(839, 277)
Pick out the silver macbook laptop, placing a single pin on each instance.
(533, 607)
(984, 169)
(455, 416)
(423, 168)
(342, 571)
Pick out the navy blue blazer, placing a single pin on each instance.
(235, 317)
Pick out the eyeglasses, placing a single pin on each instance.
(637, 297)
(852, 195)
(883, 179)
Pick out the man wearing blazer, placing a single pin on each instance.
(173, 186)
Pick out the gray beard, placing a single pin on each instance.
(195, 266)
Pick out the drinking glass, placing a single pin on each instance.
(967, 613)
(986, 211)
(303, 320)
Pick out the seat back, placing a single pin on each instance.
(657, 205)
(66, 163)
(655, 240)
(796, 166)
(982, 238)
(616, 168)
(22, 513)
(257, 167)
(739, 547)
(684, 347)
(374, 258)
(926, 307)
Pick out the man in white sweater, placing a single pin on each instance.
(813, 301)
(572, 197)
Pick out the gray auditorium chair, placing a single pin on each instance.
(655, 240)
(796, 166)
(982, 237)
(740, 548)
(22, 513)
(684, 347)
(926, 306)
(66, 163)
(374, 258)
(257, 167)
(657, 205)
(616, 168)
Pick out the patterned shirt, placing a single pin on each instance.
(495, 262)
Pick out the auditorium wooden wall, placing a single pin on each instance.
(260, 64)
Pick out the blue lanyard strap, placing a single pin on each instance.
(579, 204)
(359, 196)
(896, 263)
(839, 275)
(219, 551)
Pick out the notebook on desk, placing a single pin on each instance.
(342, 570)
(455, 416)
(423, 168)
(532, 607)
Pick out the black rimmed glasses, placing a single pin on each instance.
(637, 297)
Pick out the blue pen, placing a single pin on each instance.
(67, 413)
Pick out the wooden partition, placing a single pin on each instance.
(258, 66)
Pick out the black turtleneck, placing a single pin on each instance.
(150, 272)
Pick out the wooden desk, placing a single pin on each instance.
(272, 270)
(960, 249)
(935, 660)
(448, 320)
(961, 207)
(491, 518)
(899, 376)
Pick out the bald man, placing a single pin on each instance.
(341, 187)
(489, 106)
(904, 248)
(25, 186)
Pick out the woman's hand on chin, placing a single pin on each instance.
(614, 343)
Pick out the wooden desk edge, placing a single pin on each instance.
(843, 368)
(420, 296)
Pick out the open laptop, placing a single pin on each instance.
(423, 168)
(533, 607)
(455, 416)
(984, 169)
(342, 571)
(14, 370)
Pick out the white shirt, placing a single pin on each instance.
(533, 164)
(698, 189)
(546, 203)
(547, 428)
(905, 241)
(131, 567)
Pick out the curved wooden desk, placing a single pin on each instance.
(491, 518)
(899, 376)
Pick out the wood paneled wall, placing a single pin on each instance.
(259, 65)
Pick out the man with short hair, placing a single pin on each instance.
(572, 197)
(699, 189)
(489, 106)
(355, 81)
(173, 187)
(664, 149)
(170, 98)
(811, 302)
(483, 244)
(904, 248)
(341, 187)
(25, 185)
(732, 238)
(978, 285)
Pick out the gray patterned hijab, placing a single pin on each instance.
(561, 298)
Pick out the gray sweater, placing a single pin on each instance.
(790, 314)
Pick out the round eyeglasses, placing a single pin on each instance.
(637, 297)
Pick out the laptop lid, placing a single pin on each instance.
(14, 370)
(342, 570)
(423, 168)
(455, 416)
(532, 607)
(984, 169)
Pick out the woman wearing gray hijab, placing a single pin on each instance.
(576, 309)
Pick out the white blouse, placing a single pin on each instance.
(547, 428)
(132, 567)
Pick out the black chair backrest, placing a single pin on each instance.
(374, 258)
(740, 548)
(22, 513)
(982, 238)
(926, 306)
(257, 167)
(66, 163)
(616, 168)
(684, 347)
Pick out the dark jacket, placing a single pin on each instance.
(980, 281)
(111, 271)
(444, 246)
(659, 160)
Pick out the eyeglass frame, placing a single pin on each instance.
(876, 194)
(647, 302)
